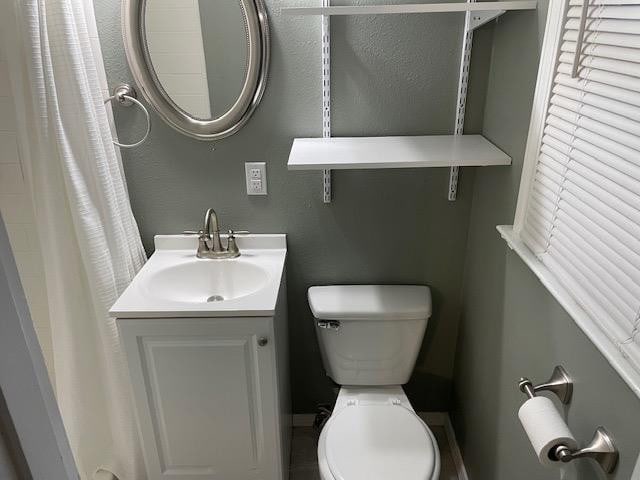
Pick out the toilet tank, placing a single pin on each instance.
(370, 334)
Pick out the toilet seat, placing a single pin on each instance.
(380, 442)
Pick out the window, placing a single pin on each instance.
(578, 215)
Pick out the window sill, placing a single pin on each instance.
(573, 308)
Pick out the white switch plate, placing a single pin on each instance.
(256, 178)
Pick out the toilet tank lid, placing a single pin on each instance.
(370, 302)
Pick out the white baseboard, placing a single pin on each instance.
(455, 450)
(441, 419)
(436, 419)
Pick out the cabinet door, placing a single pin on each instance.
(204, 391)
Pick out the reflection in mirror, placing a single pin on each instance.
(199, 53)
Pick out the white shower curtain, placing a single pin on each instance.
(88, 237)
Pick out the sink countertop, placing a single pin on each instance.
(263, 253)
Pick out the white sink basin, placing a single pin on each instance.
(202, 281)
(175, 283)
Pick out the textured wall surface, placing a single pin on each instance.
(511, 326)
(391, 75)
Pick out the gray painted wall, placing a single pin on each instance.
(224, 36)
(392, 75)
(510, 325)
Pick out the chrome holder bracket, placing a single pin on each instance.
(122, 91)
(560, 384)
(601, 449)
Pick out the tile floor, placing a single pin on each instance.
(304, 464)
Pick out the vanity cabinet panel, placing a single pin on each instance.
(206, 397)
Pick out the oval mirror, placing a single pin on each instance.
(201, 64)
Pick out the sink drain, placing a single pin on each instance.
(215, 298)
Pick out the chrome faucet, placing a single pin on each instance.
(209, 243)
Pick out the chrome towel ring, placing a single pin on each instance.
(126, 96)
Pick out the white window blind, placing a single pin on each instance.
(582, 215)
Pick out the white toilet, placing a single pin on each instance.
(369, 338)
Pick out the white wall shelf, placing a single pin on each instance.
(394, 152)
(412, 8)
(453, 151)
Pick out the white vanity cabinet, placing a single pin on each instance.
(210, 380)
(206, 393)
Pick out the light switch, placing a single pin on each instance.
(256, 178)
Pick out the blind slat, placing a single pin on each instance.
(606, 2)
(570, 264)
(605, 104)
(616, 252)
(598, 38)
(589, 123)
(604, 90)
(587, 152)
(609, 78)
(580, 189)
(606, 64)
(605, 51)
(600, 141)
(605, 25)
(612, 181)
(628, 12)
(611, 291)
(609, 327)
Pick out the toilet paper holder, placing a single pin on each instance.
(601, 448)
(560, 384)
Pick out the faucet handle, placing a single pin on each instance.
(233, 233)
(192, 232)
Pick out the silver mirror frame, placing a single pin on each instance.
(257, 29)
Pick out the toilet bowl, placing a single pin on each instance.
(369, 338)
(374, 434)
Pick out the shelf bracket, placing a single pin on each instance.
(473, 20)
(326, 96)
(481, 17)
(461, 103)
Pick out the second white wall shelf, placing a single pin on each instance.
(394, 152)
(412, 8)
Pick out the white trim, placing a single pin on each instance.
(25, 382)
(455, 450)
(442, 419)
(548, 61)
(636, 471)
(566, 300)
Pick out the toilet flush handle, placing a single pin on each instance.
(328, 324)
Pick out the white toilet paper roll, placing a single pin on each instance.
(545, 428)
